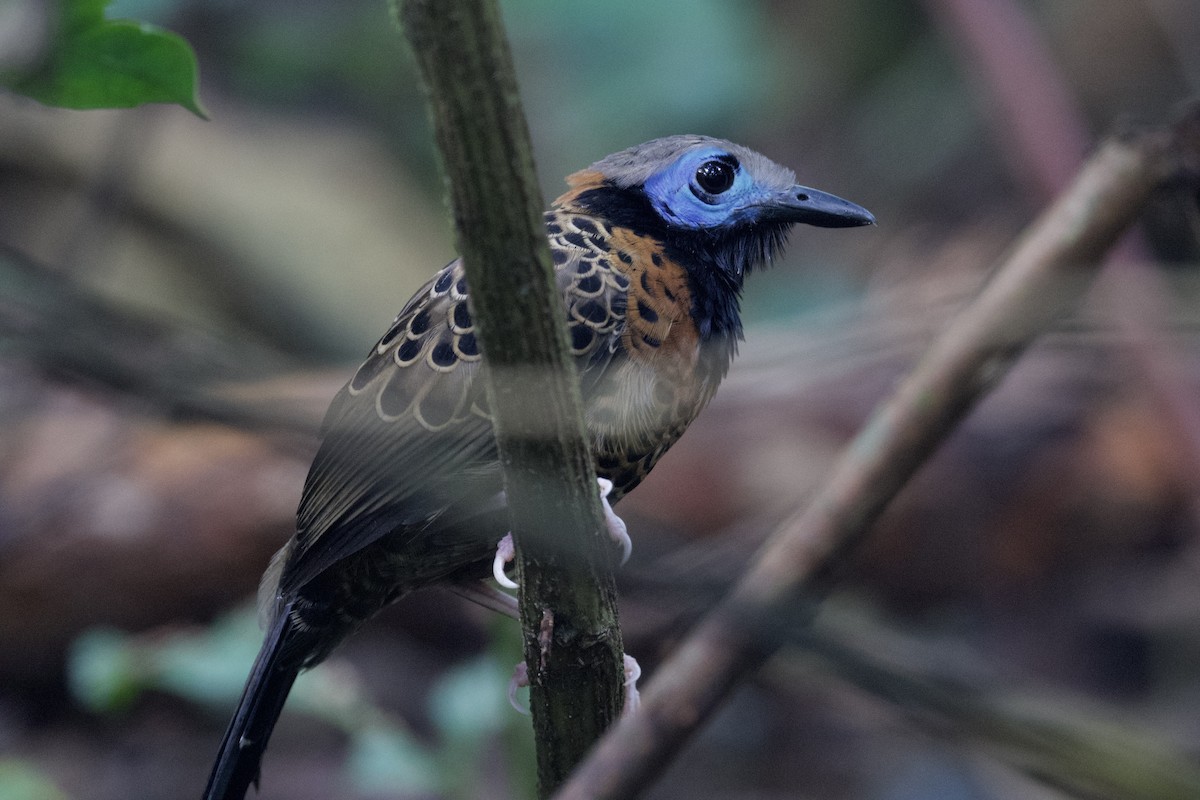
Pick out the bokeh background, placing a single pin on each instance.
(179, 299)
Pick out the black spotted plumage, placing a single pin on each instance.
(406, 489)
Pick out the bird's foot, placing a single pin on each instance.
(505, 553)
(616, 526)
(520, 678)
(617, 531)
(633, 671)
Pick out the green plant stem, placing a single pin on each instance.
(572, 640)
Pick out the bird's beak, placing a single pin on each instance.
(813, 207)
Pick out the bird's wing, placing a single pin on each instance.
(408, 442)
(404, 440)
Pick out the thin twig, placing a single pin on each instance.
(1056, 742)
(1040, 128)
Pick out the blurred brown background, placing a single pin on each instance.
(180, 299)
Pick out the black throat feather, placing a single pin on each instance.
(716, 261)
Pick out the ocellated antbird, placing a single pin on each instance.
(650, 247)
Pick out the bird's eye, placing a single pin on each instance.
(715, 177)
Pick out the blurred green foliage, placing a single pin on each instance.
(20, 781)
(95, 62)
(109, 670)
(576, 59)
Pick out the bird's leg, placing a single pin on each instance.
(489, 597)
(617, 531)
(633, 671)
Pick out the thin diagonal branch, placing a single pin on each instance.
(1042, 127)
(568, 598)
(1060, 742)
(1041, 279)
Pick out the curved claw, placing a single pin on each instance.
(633, 671)
(616, 526)
(520, 677)
(505, 552)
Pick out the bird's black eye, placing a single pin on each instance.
(715, 177)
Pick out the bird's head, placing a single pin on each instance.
(720, 202)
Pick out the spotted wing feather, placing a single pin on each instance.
(407, 439)
(408, 448)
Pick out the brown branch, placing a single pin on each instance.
(1042, 279)
(1058, 743)
(1042, 129)
(573, 646)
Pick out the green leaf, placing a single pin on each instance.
(210, 667)
(100, 63)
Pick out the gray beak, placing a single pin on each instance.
(813, 207)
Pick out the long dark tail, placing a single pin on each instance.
(266, 690)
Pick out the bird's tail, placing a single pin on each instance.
(262, 700)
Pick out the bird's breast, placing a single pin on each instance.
(661, 380)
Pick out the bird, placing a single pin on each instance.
(650, 248)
